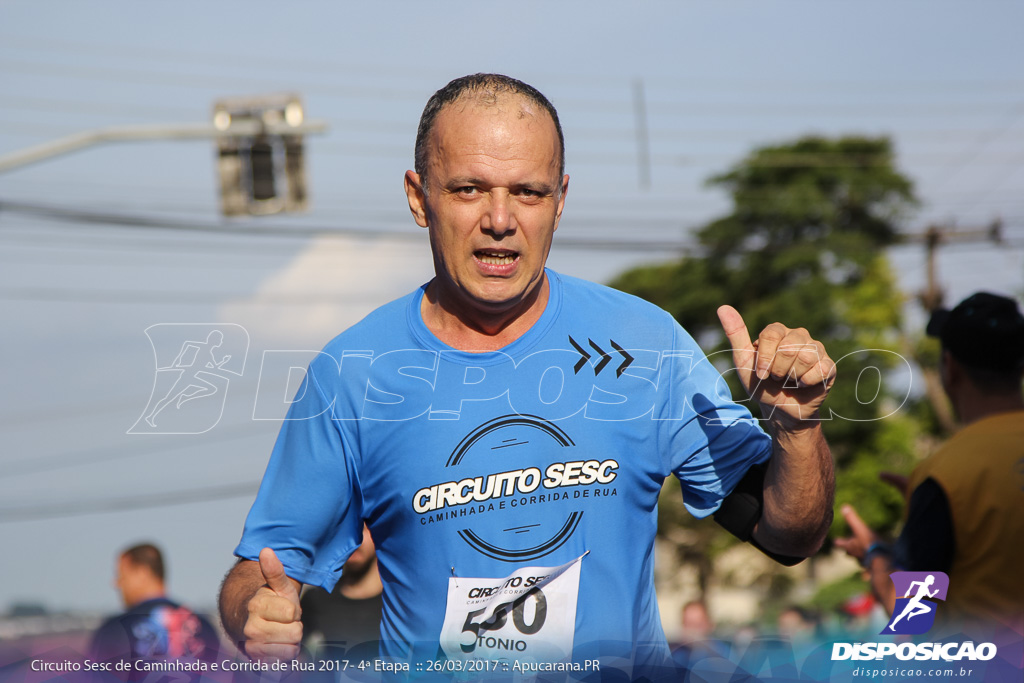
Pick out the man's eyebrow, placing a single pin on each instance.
(462, 181)
(536, 186)
(466, 181)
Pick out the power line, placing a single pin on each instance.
(57, 256)
(304, 231)
(970, 156)
(50, 413)
(589, 156)
(175, 298)
(47, 45)
(193, 80)
(205, 59)
(64, 105)
(156, 196)
(622, 106)
(995, 185)
(138, 502)
(295, 230)
(149, 244)
(72, 106)
(68, 215)
(131, 449)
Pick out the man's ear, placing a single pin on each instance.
(563, 190)
(948, 368)
(417, 198)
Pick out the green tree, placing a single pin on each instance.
(803, 245)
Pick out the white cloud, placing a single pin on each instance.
(329, 286)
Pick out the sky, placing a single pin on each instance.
(109, 255)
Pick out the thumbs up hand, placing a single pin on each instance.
(785, 370)
(273, 630)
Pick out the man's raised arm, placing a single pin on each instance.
(259, 607)
(789, 374)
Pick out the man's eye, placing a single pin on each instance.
(468, 190)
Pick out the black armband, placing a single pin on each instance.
(875, 549)
(741, 510)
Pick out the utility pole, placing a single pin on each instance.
(932, 297)
(934, 236)
(643, 143)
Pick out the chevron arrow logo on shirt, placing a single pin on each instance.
(626, 358)
(605, 357)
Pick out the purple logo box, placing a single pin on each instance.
(916, 593)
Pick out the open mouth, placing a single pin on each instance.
(496, 257)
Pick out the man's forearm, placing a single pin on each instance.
(798, 492)
(238, 588)
(879, 567)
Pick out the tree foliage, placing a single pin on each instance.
(803, 245)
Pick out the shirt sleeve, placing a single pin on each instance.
(110, 642)
(711, 441)
(308, 509)
(927, 541)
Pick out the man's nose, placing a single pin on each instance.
(499, 218)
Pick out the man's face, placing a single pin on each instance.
(127, 581)
(696, 623)
(492, 201)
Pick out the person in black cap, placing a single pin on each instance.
(965, 515)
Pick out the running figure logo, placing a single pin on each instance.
(914, 612)
(193, 367)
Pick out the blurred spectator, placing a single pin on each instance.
(861, 614)
(350, 614)
(697, 640)
(965, 513)
(152, 627)
(744, 635)
(797, 624)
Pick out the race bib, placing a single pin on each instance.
(529, 614)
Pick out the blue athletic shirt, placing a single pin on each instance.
(512, 495)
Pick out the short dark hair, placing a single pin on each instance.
(147, 555)
(984, 333)
(993, 381)
(490, 85)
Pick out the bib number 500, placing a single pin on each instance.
(498, 620)
(530, 613)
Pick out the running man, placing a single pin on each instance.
(505, 430)
(194, 384)
(915, 606)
